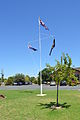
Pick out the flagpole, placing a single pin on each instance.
(41, 94)
(40, 59)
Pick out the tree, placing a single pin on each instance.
(62, 71)
(33, 80)
(19, 78)
(9, 81)
(27, 78)
(69, 71)
(46, 75)
(0, 81)
(57, 71)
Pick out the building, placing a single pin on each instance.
(77, 72)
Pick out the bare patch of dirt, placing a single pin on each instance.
(2, 96)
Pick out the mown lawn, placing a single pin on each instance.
(25, 105)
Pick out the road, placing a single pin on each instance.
(35, 87)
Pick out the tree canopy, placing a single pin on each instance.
(62, 71)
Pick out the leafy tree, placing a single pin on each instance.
(19, 78)
(0, 81)
(58, 74)
(62, 71)
(9, 81)
(27, 78)
(46, 75)
(33, 80)
(69, 71)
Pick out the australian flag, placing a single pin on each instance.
(43, 24)
(30, 47)
(53, 45)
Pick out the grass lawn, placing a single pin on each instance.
(25, 105)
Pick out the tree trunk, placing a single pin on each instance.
(57, 92)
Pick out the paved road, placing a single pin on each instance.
(34, 87)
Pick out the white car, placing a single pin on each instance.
(52, 83)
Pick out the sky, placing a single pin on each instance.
(19, 26)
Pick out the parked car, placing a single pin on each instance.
(48, 83)
(44, 82)
(15, 83)
(63, 83)
(52, 83)
(20, 83)
(28, 83)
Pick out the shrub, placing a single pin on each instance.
(9, 81)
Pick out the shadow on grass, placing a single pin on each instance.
(49, 105)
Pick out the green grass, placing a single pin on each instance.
(25, 105)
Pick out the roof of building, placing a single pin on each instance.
(77, 68)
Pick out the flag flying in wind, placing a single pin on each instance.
(53, 45)
(43, 24)
(30, 47)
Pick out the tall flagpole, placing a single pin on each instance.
(41, 94)
(40, 58)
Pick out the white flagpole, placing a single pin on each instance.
(40, 58)
(41, 94)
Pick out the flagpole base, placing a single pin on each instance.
(41, 94)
